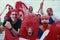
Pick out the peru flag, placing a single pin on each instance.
(54, 32)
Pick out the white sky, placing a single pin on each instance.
(35, 4)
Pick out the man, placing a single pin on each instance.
(44, 25)
(12, 26)
(9, 7)
(52, 17)
(30, 9)
(8, 13)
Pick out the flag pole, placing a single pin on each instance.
(41, 7)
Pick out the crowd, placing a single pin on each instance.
(22, 24)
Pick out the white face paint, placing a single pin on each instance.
(13, 16)
(42, 21)
(29, 31)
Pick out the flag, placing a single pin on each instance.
(54, 32)
(30, 21)
(21, 6)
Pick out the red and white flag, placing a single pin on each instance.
(21, 6)
(54, 32)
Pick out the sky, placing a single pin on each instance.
(54, 4)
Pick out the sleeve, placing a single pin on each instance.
(20, 21)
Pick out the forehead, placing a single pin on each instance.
(20, 12)
(14, 12)
(44, 18)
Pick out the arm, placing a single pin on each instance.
(41, 8)
(2, 29)
(14, 32)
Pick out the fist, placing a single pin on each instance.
(8, 25)
(1, 29)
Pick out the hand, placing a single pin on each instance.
(1, 29)
(8, 25)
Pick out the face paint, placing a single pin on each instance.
(13, 16)
(46, 21)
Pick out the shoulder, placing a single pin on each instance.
(19, 21)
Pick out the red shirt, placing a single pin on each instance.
(8, 36)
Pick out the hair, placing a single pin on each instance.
(21, 11)
(9, 13)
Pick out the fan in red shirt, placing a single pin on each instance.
(9, 10)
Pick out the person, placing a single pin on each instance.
(21, 14)
(52, 17)
(53, 33)
(44, 25)
(40, 11)
(8, 13)
(39, 17)
(30, 9)
(29, 27)
(9, 7)
(12, 26)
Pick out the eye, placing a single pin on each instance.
(15, 14)
(12, 14)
